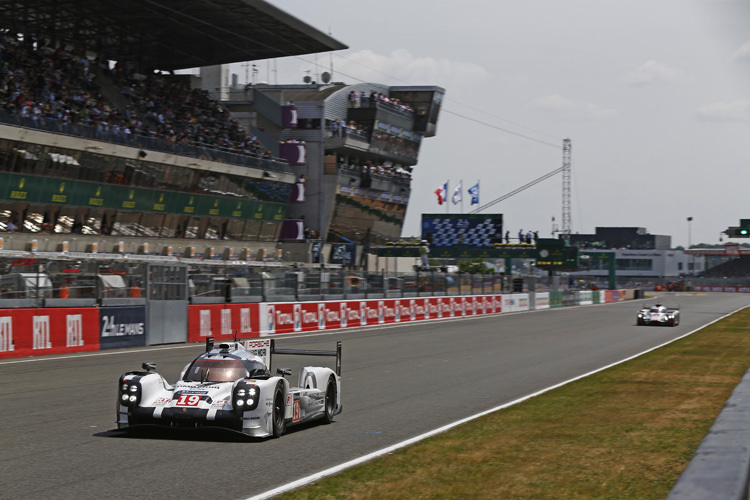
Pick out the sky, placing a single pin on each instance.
(654, 95)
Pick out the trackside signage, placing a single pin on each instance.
(222, 321)
(290, 317)
(731, 289)
(39, 331)
(122, 327)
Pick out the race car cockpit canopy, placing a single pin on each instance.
(658, 308)
(224, 370)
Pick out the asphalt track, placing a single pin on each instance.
(57, 413)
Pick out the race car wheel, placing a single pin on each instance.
(279, 424)
(330, 403)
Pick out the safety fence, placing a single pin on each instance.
(37, 331)
(40, 282)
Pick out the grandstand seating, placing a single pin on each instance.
(41, 83)
(734, 268)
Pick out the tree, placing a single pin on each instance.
(474, 266)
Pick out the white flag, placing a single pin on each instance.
(457, 193)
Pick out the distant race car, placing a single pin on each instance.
(659, 315)
(230, 386)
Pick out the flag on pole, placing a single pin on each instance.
(457, 193)
(442, 193)
(474, 192)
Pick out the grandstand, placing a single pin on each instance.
(358, 153)
(103, 148)
(99, 148)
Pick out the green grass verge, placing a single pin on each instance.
(625, 433)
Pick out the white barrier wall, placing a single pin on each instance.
(585, 297)
(541, 300)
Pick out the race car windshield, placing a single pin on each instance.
(215, 370)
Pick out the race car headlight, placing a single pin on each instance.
(130, 393)
(244, 398)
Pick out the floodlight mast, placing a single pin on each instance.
(566, 218)
(565, 169)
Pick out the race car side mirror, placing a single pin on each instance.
(283, 371)
(149, 366)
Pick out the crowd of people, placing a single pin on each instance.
(169, 109)
(342, 128)
(361, 99)
(528, 237)
(395, 145)
(368, 170)
(40, 82)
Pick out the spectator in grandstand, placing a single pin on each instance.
(353, 99)
(521, 236)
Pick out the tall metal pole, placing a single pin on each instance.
(690, 244)
(566, 219)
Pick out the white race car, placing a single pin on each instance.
(230, 386)
(658, 315)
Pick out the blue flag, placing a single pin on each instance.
(474, 192)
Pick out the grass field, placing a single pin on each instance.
(624, 433)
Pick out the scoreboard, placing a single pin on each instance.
(476, 230)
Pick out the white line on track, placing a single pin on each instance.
(366, 458)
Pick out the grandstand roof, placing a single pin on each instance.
(169, 34)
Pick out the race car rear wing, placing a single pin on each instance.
(677, 307)
(311, 352)
(265, 348)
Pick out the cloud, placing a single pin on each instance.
(403, 67)
(743, 53)
(571, 109)
(652, 72)
(735, 111)
(554, 103)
